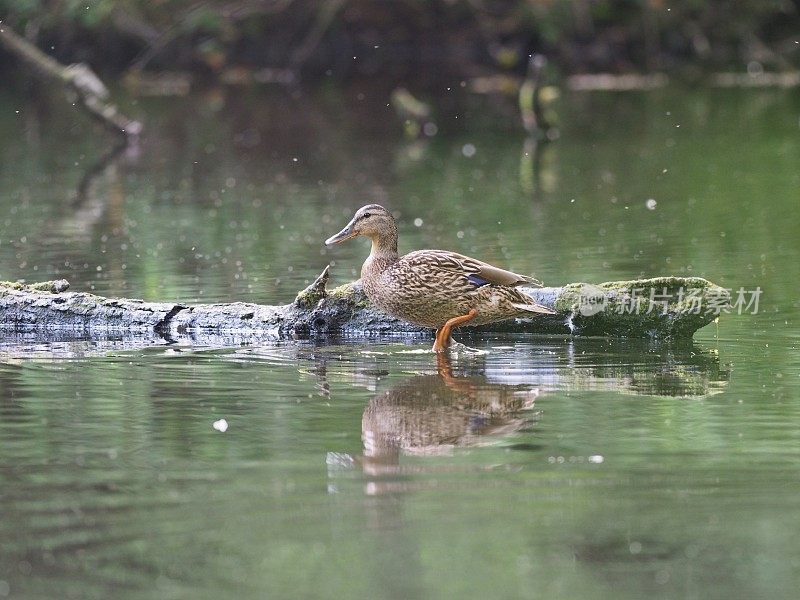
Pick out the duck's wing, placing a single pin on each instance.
(476, 271)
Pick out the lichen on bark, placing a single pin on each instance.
(663, 307)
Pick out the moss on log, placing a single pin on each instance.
(664, 307)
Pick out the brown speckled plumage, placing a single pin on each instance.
(430, 287)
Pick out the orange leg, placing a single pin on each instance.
(445, 370)
(443, 334)
(443, 366)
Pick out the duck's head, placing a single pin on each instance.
(372, 221)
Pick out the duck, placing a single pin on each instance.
(436, 289)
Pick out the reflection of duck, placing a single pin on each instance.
(434, 288)
(428, 414)
(432, 414)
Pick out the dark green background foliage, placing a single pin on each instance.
(412, 39)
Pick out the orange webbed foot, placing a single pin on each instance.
(443, 339)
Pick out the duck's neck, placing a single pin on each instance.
(382, 255)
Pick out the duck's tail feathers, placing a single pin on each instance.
(535, 308)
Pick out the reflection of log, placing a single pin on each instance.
(666, 307)
(79, 78)
(674, 368)
(490, 399)
(429, 414)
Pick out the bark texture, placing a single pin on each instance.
(664, 307)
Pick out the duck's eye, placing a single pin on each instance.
(366, 215)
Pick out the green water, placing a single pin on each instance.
(540, 467)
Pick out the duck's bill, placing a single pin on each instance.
(344, 234)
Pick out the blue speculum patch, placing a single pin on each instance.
(476, 280)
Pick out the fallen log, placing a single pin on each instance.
(659, 308)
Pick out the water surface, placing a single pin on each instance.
(533, 467)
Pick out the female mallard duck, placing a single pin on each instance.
(433, 288)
